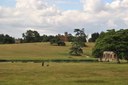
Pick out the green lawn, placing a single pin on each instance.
(56, 73)
(63, 74)
(39, 51)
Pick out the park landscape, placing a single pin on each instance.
(57, 73)
(63, 42)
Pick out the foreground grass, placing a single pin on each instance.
(39, 51)
(63, 74)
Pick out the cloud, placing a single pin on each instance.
(36, 14)
(93, 5)
(46, 18)
(118, 4)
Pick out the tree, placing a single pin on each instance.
(6, 39)
(1, 38)
(80, 34)
(61, 43)
(80, 37)
(116, 41)
(94, 37)
(56, 41)
(70, 37)
(78, 42)
(31, 36)
(77, 51)
(44, 38)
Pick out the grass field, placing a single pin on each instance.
(63, 74)
(89, 73)
(39, 51)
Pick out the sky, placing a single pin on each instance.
(54, 17)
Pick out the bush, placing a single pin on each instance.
(61, 43)
(77, 51)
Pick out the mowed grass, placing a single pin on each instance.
(39, 51)
(63, 74)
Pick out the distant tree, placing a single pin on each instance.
(31, 36)
(2, 38)
(76, 51)
(70, 37)
(50, 38)
(56, 41)
(80, 37)
(9, 39)
(78, 42)
(116, 41)
(80, 34)
(6, 39)
(94, 37)
(44, 38)
(61, 43)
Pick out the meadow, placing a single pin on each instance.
(63, 74)
(39, 51)
(30, 73)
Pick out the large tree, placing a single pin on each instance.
(116, 41)
(78, 42)
(31, 36)
(94, 37)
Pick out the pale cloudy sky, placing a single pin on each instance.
(59, 16)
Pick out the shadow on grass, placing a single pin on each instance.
(52, 60)
(90, 81)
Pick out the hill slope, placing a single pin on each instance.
(37, 51)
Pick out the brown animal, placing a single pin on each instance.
(42, 63)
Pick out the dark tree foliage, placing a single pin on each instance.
(61, 43)
(81, 36)
(70, 38)
(44, 38)
(94, 37)
(54, 40)
(57, 42)
(112, 40)
(50, 38)
(77, 51)
(6, 39)
(31, 36)
(78, 42)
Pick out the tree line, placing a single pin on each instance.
(31, 36)
(6, 39)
